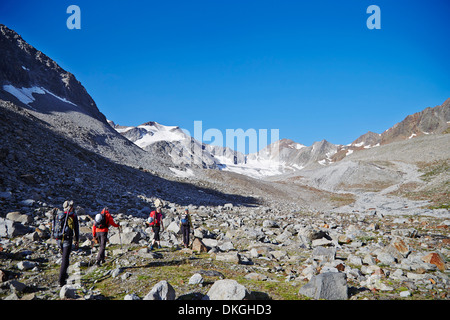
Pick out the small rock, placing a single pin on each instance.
(5, 195)
(374, 282)
(405, 294)
(196, 279)
(18, 217)
(386, 258)
(321, 242)
(368, 259)
(415, 276)
(116, 272)
(3, 276)
(125, 238)
(29, 297)
(227, 289)
(161, 291)
(228, 206)
(126, 275)
(132, 296)
(329, 286)
(270, 224)
(436, 259)
(354, 260)
(27, 202)
(199, 246)
(17, 286)
(324, 254)
(226, 246)
(26, 265)
(210, 243)
(12, 296)
(68, 292)
(255, 276)
(409, 233)
(401, 247)
(279, 254)
(174, 227)
(233, 257)
(11, 229)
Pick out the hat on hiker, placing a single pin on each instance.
(67, 204)
(158, 203)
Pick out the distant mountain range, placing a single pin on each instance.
(281, 156)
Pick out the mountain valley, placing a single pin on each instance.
(375, 211)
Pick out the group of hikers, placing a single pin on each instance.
(65, 230)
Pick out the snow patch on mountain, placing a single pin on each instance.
(255, 168)
(158, 132)
(182, 174)
(172, 142)
(25, 95)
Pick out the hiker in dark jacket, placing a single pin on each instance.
(185, 226)
(69, 234)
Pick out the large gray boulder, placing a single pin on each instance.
(125, 238)
(228, 289)
(174, 227)
(11, 229)
(324, 254)
(329, 286)
(68, 292)
(18, 217)
(161, 291)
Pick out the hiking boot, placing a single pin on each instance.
(63, 281)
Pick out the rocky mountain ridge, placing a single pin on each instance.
(25, 70)
(434, 120)
(30, 79)
(281, 156)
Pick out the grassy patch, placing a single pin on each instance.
(437, 193)
(343, 199)
(431, 170)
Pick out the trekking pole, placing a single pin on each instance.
(92, 252)
(54, 214)
(120, 239)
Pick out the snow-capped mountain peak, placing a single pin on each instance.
(281, 156)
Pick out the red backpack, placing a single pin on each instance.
(153, 219)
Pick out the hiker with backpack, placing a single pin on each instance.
(155, 221)
(100, 232)
(65, 229)
(185, 226)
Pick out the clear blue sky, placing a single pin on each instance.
(311, 69)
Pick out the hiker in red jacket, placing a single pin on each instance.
(100, 231)
(155, 220)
